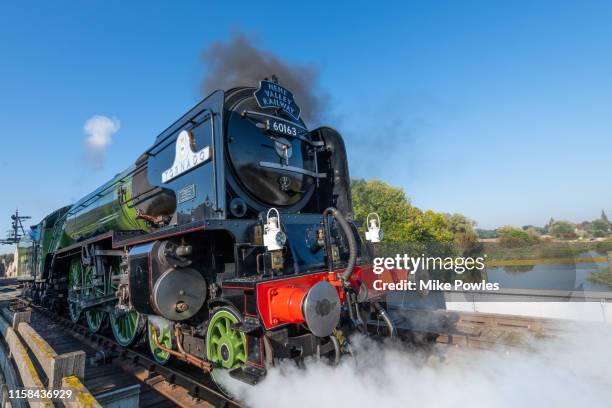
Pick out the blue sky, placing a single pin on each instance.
(497, 110)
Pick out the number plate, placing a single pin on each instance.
(185, 194)
(283, 128)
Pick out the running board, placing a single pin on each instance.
(89, 303)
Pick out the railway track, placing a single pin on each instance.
(160, 386)
(112, 368)
(490, 331)
(178, 385)
(475, 330)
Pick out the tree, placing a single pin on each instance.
(604, 217)
(390, 203)
(562, 230)
(428, 226)
(460, 224)
(533, 232)
(598, 228)
(465, 237)
(511, 237)
(400, 221)
(467, 244)
(550, 224)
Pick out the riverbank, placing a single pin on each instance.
(546, 250)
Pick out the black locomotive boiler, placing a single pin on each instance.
(230, 241)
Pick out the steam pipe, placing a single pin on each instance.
(181, 354)
(350, 310)
(362, 323)
(268, 351)
(336, 343)
(327, 244)
(383, 313)
(352, 243)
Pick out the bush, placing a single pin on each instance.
(598, 228)
(602, 276)
(510, 237)
(603, 247)
(562, 230)
(486, 234)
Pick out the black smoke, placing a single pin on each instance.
(239, 62)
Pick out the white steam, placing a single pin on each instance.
(99, 130)
(573, 371)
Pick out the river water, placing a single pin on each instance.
(557, 276)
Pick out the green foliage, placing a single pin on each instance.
(566, 230)
(401, 222)
(603, 247)
(460, 224)
(533, 232)
(465, 237)
(486, 234)
(604, 218)
(546, 249)
(428, 226)
(562, 230)
(602, 276)
(511, 237)
(389, 202)
(467, 244)
(598, 228)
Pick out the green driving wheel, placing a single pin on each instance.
(225, 346)
(164, 336)
(95, 318)
(74, 282)
(126, 326)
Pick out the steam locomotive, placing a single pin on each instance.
(230, 242)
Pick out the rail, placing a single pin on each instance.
(177, 386)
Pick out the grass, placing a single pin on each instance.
(495, 251)
(602, 276)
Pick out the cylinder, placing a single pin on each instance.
(286, 304)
